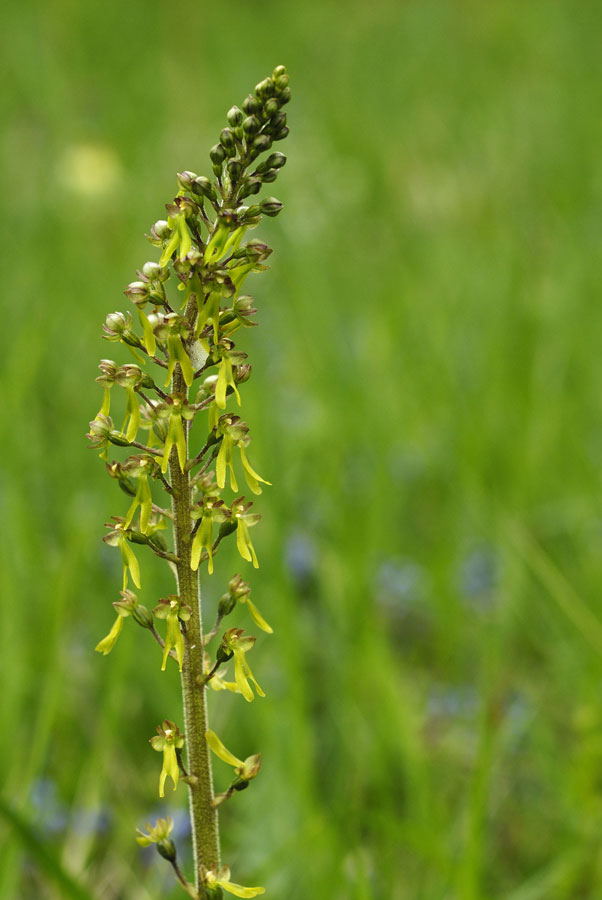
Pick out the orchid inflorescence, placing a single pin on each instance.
(189, 309)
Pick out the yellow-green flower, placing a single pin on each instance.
(235, 433)
(180, 240)
(167, 741)
(244, 520)
(213, 881)
(118, 537)
(240, 592)
(211, 510)
(159, 834)
(107, 380)
(174, 612)
(245, 770)
(174, 409)
(127, 606)
(139, 467)
(128, 377)
(107, 643)
(233, 642)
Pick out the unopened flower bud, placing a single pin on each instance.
(265, 88)
(242, 373)
(257, 250)
(235, 169)
(279, 71)
(217, 154)
(143, 617)
(226, 139)
(185, 180)
(272, 106)
(251, 185)
(281, 134)
(281, 82)
(203, 186)
(269, 176)
(251, 105)
(276, 122)
(235, 116)
(284, 95)
(226, 605)
(249, 214)
(270, 206)
(161, 230)
(152, 270)
(262, 143)
(138, 292)
(251, 125)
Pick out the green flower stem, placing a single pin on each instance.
(204, 821)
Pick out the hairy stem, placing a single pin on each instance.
(203, 817)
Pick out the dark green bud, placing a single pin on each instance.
(250, 186)
(240, 785)
(235, 116)
(261, 143)
(250, 213)
(281, 82)
(203, 187)
(143, 617)
(226, 139)
(279, 71)
(167, 849)
(277, 122)
(251, 126)
(226, 605)
(270, 206)
(285, 95)
(271, 107)
(217, 154)
(235, 169)
(265, 88)
(280, 135)
(269, 176)
(251, 105)
(274, 161)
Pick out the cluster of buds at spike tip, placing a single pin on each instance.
(167, 410)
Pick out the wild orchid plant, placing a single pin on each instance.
(188, 370)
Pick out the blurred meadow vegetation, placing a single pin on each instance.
(425, 399)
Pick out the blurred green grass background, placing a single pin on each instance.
(425, 400)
